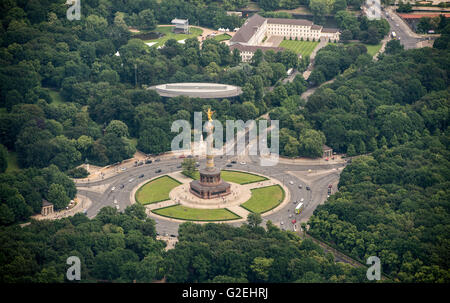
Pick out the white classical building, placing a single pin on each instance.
(247, 51)
(257, 28)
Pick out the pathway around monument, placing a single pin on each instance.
(180, 196)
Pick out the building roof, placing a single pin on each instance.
(179, 21)
(325, 147)
(46, 203)
(197, 90)
(254, 48)
(248, 29)
(316, 27)
(329, 30)
(303, 22)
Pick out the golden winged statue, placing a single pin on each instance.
(209, 112)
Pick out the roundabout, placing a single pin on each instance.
(181, 204)
(118, 189)
(213, 194)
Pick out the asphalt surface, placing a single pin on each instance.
(407, 37)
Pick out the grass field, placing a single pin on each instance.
(264, 199)
(373, 49)
(304, 48)
(195, 214)
(222, 37)
(237, 177)
(168, 34)
(156, 190)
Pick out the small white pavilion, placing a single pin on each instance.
(181, 25)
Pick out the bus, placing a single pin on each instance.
(394, 35)
(299, 208)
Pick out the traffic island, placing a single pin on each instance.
(181, 212)
(264, 199)
(156, 190)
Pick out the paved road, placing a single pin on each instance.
(408, 38)
(102, 194)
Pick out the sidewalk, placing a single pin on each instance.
(308, 161)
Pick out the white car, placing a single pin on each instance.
(301, 200)
(131, 180)
(291, 182)
(243, 163)
(112, 189)
(281, 222)
(123, 168)
(117, 206)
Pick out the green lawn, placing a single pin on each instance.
(304, 48)
(167, 30)
(264, 199)
(222, 37)
(156, 190)
(12, 162)
(237, 177)
(196, 214)
(373, 49)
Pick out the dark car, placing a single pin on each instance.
(148, 161)
(229, 165)
(179, 166)
(308, 188)
(158, 171)
(141, 176)
(234, 162)
(190, 156)
(122, 186)
(140, 163)
(157, 160)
